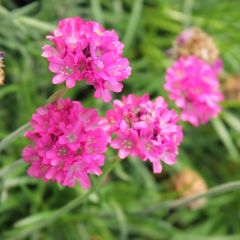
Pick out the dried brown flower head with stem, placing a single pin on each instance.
(188, 182)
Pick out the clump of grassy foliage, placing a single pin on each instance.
(131, 204)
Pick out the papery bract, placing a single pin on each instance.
(68, 143)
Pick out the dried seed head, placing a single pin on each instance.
(194, 41)
(2, 75)
(231, 88)
(187, 183)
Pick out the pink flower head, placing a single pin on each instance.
(85, 50)
(194, 87)
(145, 129)
(68, 143)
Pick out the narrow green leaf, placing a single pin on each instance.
(187, 9)
(35, 23)
(34, 219)
(26, 9)
(11, 167)
(226, 138)
(121, 218)
(118, 10)
(42, 220)
(13, 136)
(133, 23)
(97, 11)
(7, 90)
(232, 120)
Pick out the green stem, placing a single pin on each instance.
(12, 136)
(28, 21)
(76, 202)
(97, 11)
(44, 26)
(3, 10)
(10, 168)
(187, 9)
(50, 217)
(223, 188)
(132, 23)
(56, 95)
(18, 132)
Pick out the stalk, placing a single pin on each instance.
(173, 204)
(20, 131)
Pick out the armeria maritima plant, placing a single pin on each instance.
(68, 142)
(73, 144)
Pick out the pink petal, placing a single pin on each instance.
(123, 153)
(59, 78)
(168, 158)
(157, 167)
(70, 83)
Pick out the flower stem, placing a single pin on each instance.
(187, 9)
(56, 95)
(75, 202)
(223, 188)
(18, 132)
(16, 17)
(12, 136)
(44, 26)
(11, 167)
(43, 219)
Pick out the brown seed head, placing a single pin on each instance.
(231, 88)
(187, 183)
(2, 74)
(194, 41)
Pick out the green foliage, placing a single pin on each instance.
(118, 209)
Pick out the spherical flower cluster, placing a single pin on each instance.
(145, 129)
(85, 50)
(67, 143)
(194, 87)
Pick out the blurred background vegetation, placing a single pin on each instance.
(128, 204)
